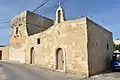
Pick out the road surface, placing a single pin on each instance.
(106, 76)
(14, 71)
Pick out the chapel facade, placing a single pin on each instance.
(79, 46)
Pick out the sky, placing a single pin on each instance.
(104, 12)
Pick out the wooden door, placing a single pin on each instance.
(59, 59)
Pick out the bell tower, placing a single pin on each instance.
(59, 15)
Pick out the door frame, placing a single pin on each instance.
(55, 59)
(58, 60)
(32, 55)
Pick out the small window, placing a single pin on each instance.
(16, 30)
(38, 41)
(20, 24)
(107, 46)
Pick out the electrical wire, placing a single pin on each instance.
(4, 22)
(50, 9)
(41, 5)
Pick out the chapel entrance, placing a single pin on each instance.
(59, 59)
(32, 53)
(0, 54)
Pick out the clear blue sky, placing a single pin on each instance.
(104, 12)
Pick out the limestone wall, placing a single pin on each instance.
(17, 55)
(100, 48)
(71, 36)
(18, 40)
(5, 52)
(27, 23)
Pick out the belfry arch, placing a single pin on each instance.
(60, 15)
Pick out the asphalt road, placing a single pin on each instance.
(107, 76)
(14, 71)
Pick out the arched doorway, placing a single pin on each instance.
(59, 59)
(32, 53)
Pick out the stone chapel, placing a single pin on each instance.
(81, 46)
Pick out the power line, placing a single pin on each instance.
(41, 5)
(48, 10)
(4, 22)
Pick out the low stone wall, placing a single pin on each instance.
(5, 52)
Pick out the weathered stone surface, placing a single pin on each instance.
(51, 40)
(18, 40)
(83, 43)
(28, 23)
(100, 48)
(5, 52)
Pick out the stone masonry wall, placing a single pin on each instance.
(71, 36)
(100, 48)
(18, 40)
(5, 52)
(28, 23)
